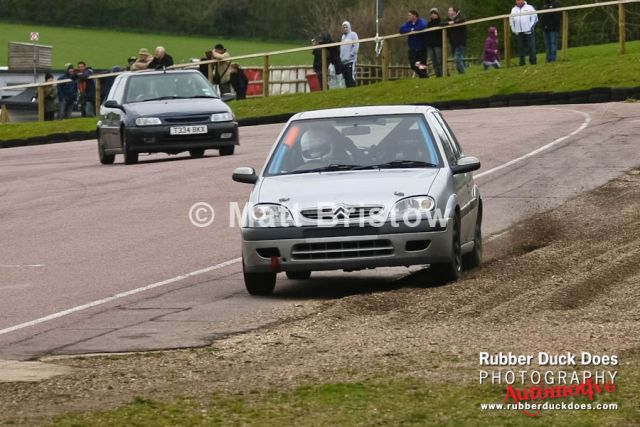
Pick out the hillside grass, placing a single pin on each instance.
(585, 68)
(102, 49)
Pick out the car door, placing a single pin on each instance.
(111, 117)
(462, 183)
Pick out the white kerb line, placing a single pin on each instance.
(585, 123)
(118, 296)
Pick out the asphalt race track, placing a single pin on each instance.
(100, 258)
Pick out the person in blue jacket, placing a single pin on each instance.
(67, 93)
(417, 51)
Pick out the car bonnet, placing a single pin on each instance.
(368, 187)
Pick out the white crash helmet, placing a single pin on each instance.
(316, 144)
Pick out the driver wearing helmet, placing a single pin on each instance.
(316, 145)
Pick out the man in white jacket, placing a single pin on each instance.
(349, 54)
(523, 24)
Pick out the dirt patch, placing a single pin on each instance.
(565, 280)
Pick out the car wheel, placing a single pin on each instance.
(105, 159)
(130, 157)
(260, 284)
(450, 271)
(197, 152)
(474, 258)
(227, 151)
(298, 275)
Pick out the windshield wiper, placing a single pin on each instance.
(402, 164)
(162, 98)
(328, 168)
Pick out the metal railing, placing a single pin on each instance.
(385, 56)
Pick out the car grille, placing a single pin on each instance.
(352, 212)
(188, 119)
(342, 250)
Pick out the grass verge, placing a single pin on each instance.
(108, 48)
(380, 401)
(580, 72)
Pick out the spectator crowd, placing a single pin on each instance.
(423, 46)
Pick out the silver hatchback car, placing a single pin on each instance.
(358, 188)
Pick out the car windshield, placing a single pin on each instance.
(153, 87)
(354, 143)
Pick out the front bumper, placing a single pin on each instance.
(345, 248)
(158, 138)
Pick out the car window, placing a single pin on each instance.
(450, 152)
(355, 142)
(450, 134)
(142, 88)
(117, 90)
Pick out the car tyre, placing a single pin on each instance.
(130, 157)
(298, 275)
(105, 159)
(450, 271)
(259, 284)
(474, 258)
(196, 152)
(227, 151)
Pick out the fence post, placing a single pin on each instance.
(507, 42)
(445, 53)
(210, 72)
(4, 115)
(41, 103)
(565, 34)
(325, 69)
(385, 61)
(622, 23)
(265, 76)
(98, 96)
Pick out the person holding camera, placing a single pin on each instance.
(221, 71)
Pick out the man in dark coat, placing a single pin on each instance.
(333, 56)
(161, 59)
(457, 38)
(239, 81)
(433, 41)
(67, 93)
(551, 28)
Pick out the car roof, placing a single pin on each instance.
(363, 111)
(157, 72)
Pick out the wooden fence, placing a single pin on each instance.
(386, 71)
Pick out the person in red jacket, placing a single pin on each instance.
(491, 55)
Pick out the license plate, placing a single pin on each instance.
(187, 130)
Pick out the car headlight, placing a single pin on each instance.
(271, 215)
(412, 207)
(148, 121)
(222, 117)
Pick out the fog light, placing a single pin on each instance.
(226, 135)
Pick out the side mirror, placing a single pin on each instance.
(466, 164)
(226, 97)
(245, 175)
(113, 104)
